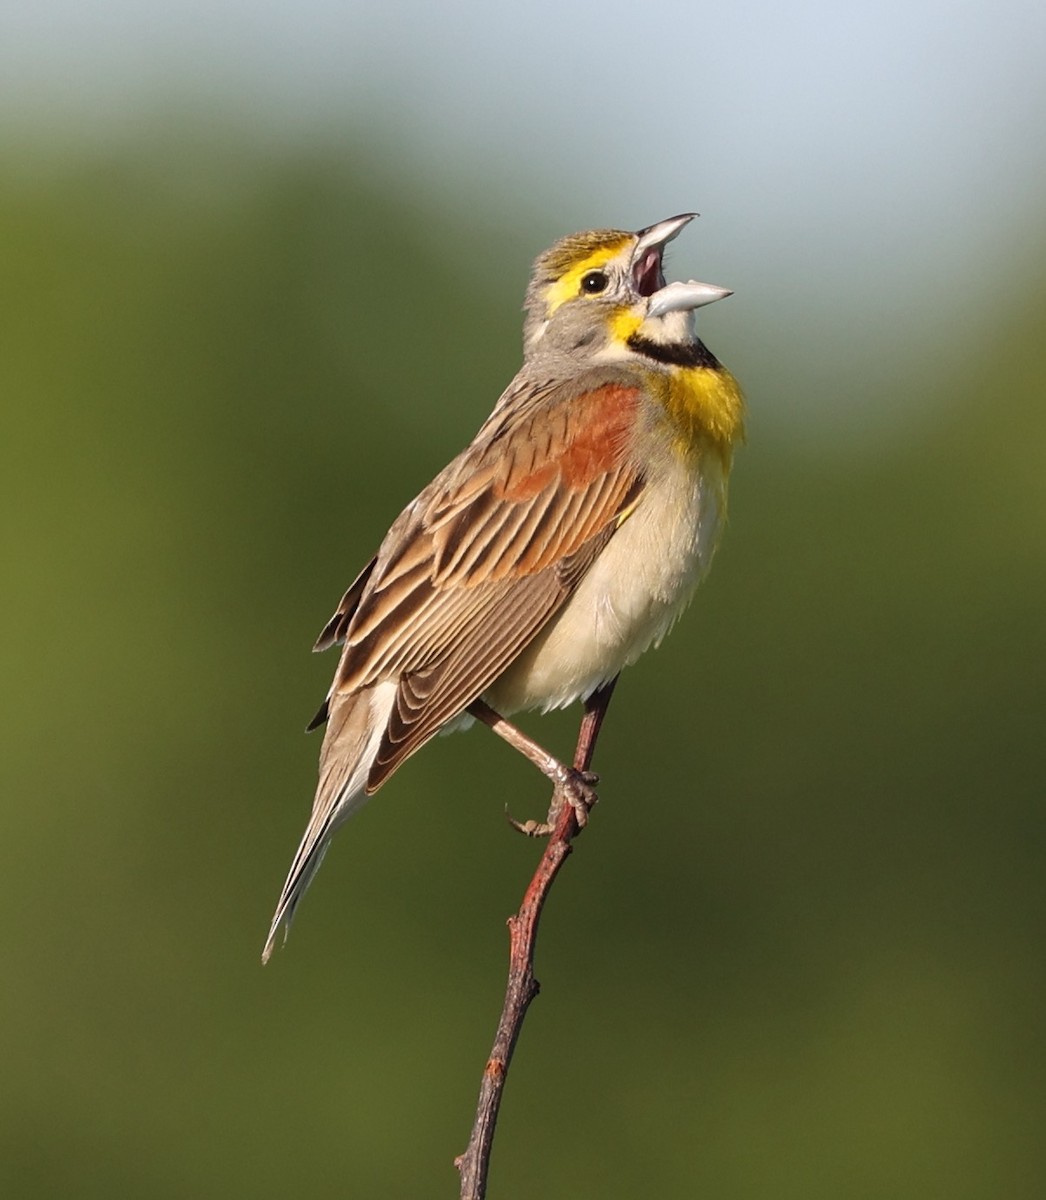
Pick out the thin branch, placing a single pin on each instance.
(522, 986)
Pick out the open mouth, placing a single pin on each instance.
(647, 274)
(648, 278)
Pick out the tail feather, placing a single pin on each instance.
(350, 745)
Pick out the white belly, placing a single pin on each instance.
(630, 596)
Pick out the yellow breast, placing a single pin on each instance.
(706, 409)
(704, 404)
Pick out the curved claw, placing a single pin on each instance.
(531, 829)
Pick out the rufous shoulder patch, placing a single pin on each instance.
(595, 429)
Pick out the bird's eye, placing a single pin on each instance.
(594, 282)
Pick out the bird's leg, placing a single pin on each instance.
(595, 710)
(573, 785)
(570, 784)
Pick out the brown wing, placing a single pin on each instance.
(484, 557)
(334, 630)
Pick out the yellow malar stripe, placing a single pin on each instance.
(624, 323)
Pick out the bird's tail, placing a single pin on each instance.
(354, 732)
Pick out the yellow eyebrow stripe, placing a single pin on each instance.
(569, 284)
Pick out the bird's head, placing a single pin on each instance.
(603, 292)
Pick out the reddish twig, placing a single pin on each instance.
(522, 986)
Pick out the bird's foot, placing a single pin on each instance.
(572, 787)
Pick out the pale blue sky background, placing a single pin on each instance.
(857, 166)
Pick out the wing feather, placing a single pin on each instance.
(334, 630)
(486, 555)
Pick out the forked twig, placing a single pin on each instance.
(522, 987)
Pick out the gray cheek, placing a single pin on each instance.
(586, 338)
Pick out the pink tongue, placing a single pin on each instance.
(649, 273)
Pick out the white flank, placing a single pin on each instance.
(630, 597)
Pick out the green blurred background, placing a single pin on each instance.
(799, 953)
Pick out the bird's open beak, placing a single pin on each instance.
(648, 276)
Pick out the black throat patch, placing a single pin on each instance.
(687, 354)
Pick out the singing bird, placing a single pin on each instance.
(557, 547)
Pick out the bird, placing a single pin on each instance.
(557, 547)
